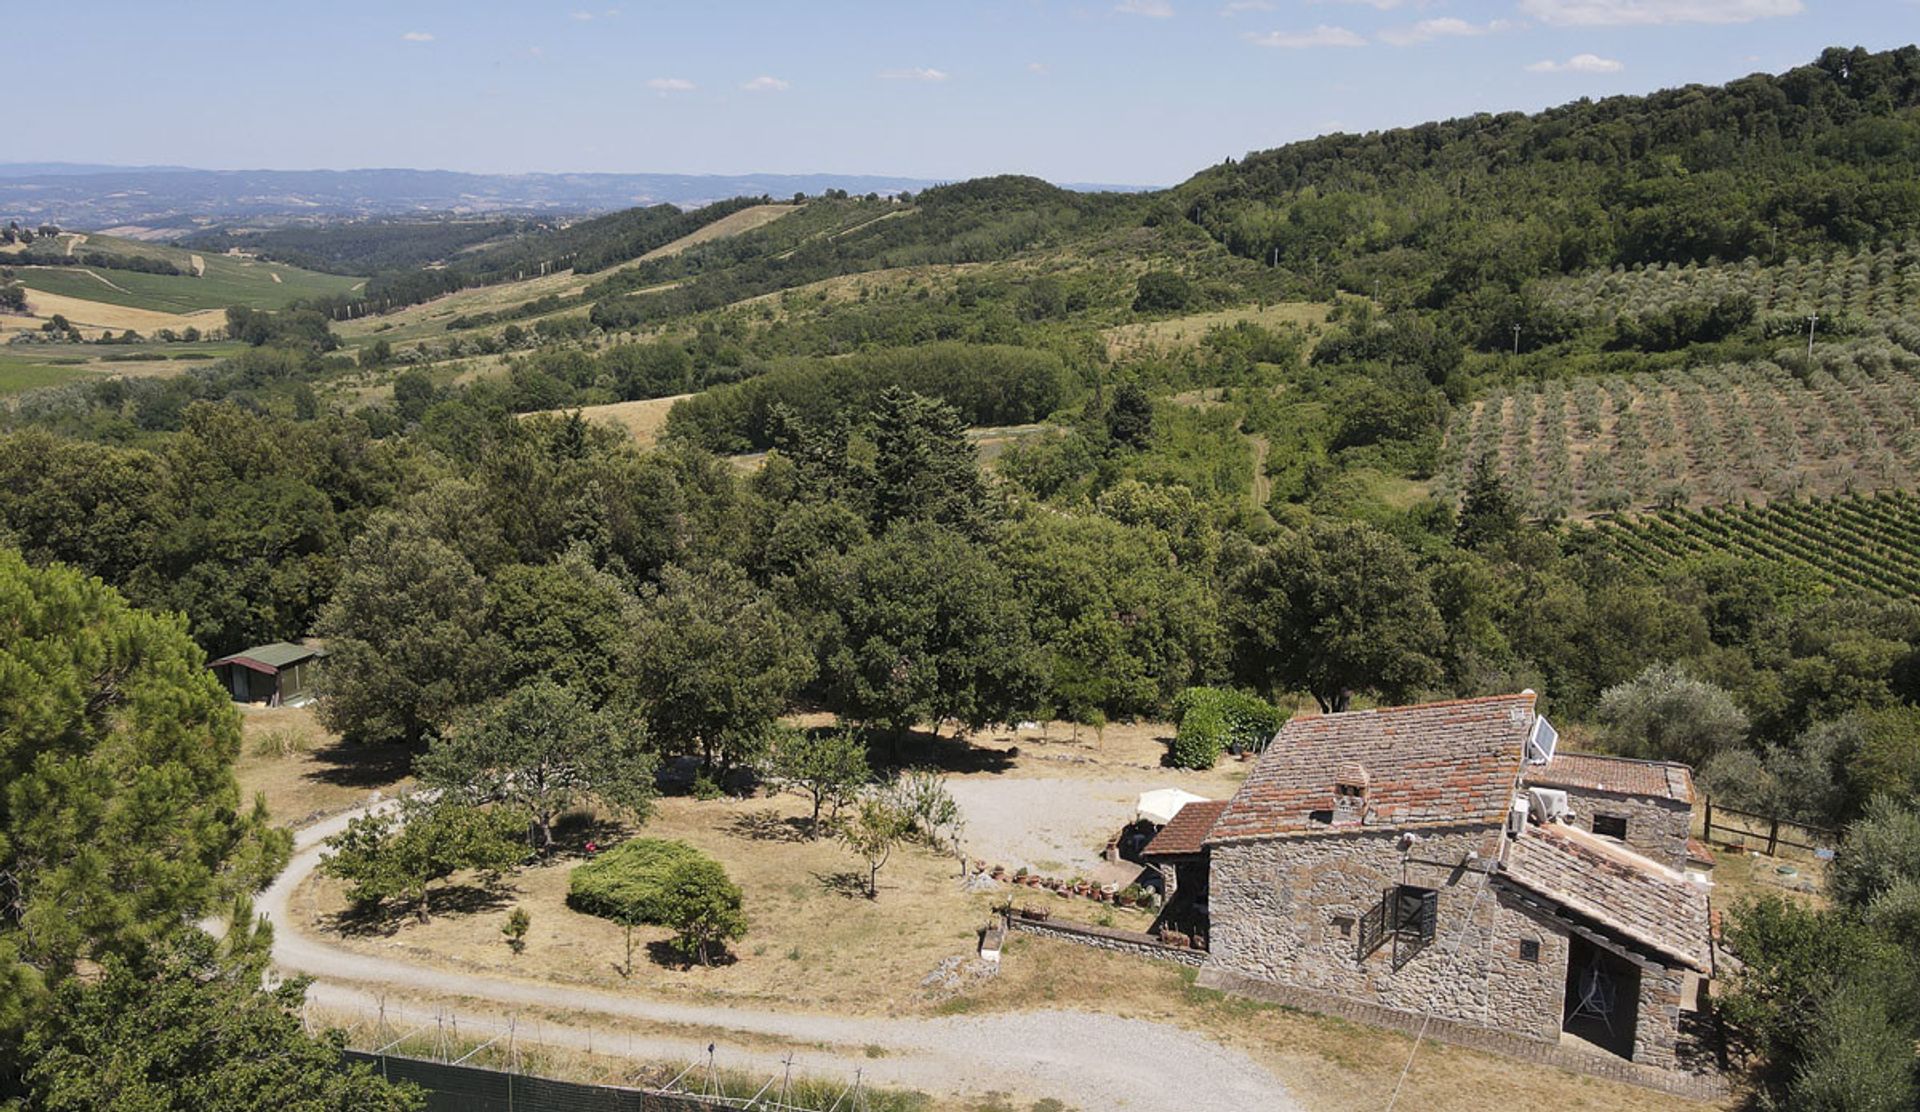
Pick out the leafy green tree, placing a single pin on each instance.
(120, 820)
(715, 663)
(188, 1030)
(827, 766)
(877, 826)
(1162, 291)
(702, 908)
(1664, 713)
(406, 634)
(1876, 871)
(925, 626)
(566, 621)
(542, 750)
(400, 854)
(1859, 1057)
(1334, 609)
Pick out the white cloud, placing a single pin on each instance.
(583, 17)
(416, 36)
(1037, 68)
(766, 84)
(1579, 63)
(1152, 9)
(915, 73)
(1235, 7)
(664, 85)
(1648, 13)
(1445, 27)
(1322, 35)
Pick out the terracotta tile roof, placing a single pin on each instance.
(1188, 831)
(1451, 762)
(1698, 851)
(1626, 894)
(1619, 775)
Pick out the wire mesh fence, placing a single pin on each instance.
(508, 1066)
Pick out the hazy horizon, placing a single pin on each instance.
(1122, 91)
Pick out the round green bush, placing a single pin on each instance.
(630, 880)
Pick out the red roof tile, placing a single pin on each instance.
(1188, 831)
(1699, 852)
(1625, 893)
(1451, 762)
(1619, 775)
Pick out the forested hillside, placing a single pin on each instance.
(1463, 212)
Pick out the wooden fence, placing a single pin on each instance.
(1725, 824)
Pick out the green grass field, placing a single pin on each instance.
(30, 367)
(19, 372)
(228, 280)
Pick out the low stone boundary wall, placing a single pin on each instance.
(1695, 1086)
(1107, 938)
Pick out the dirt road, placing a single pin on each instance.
(1084, 1059)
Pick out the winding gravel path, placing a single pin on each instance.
(1087, 1060)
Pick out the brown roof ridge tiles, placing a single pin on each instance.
(1445, 763)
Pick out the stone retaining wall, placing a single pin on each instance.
(1593, 1064)
(1107, 938)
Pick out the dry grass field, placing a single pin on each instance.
(746, 220)
(643, 420)
(92, 317)
(1187, 331)
(307, 773)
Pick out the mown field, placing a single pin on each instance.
(1705, 436)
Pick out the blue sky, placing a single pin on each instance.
(1122, 91)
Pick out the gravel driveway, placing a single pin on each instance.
(1056, 827)
(1087, 1060)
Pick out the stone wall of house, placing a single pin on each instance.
(1289, 910)
(1656, 1034)
(1655, 827)
(1527, 997)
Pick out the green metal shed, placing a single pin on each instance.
(280, 674)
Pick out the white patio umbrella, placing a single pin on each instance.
(1161, 804)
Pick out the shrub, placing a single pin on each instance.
(626, 877)
(672, 884)
(1201, 738)
(1250, 722)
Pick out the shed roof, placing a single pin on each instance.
(1611, 886)
(1187, 833)
(1618, 775)
(1434, 763)
(271, 658)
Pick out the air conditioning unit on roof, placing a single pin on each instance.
(1548, 805)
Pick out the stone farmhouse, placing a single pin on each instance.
(1443, 861)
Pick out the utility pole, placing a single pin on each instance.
(1516, 340)
(1812, 320)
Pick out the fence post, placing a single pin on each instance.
(1773, 836)
(1709, 831)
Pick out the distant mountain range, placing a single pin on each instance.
(173, 199)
